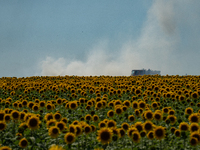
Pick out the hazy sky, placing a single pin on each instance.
(107, 37)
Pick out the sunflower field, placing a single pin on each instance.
(150, 112)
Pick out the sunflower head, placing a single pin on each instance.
(69, 137)
(54, 131)
(23, 143)
(105, 135)
(159, 132)
(33, 123)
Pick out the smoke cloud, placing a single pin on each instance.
(158, 47)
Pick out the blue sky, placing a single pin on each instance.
(98, 37)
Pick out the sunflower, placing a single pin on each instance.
(111, 123)
(57, 116)
(104, 135)
(78, 130)
(139, 126)
(157, 116)
(95, 118)
(7, 118)
(188, 111)
(135, 105)
(193, 141)
(73, 105)
(54, 132)
(102, 124)
(56, 147)
(15, 115)
(69, 137)
(194, 127)
(137, 112)
(122, 132)
(194, 118)
(159, 132)
(48, 116)
(2, 114)
(171, 112)
(87, 129)
(195, 95)
(136, 136)
(177, 132)
(172, 119)
(61, 125)
(35, 107)
(42, 103)
(64, 120)
(183, 126)
(150, 135)
(72, 128)
(93, 128)
(59, 101)
(33, 123)
(5, 148)
(125, 126)
(118, 110)
(50, 123)
(142, 104)
(2, 125)
(30, 105)
(148, 115)
(110, 113)
(130, 131)
(23, 143)
(172, 129)
(127, 103)
(131, 118)
(148, 126)
(49, 106)
(88, 117)
(154, 105)
(196, 134)
(99, 105)
(165, 110)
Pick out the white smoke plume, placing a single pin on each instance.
(156, 48)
